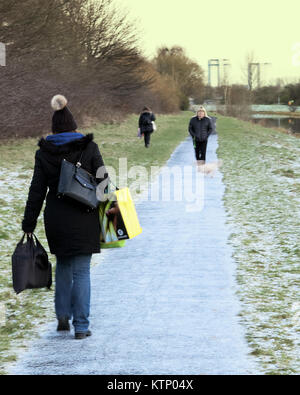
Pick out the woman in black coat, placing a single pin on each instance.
(200, 128)
(146, 124)
(73, 234)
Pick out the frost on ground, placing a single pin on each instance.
(172, 311)
(20, 313)
(262, 176)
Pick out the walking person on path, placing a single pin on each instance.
(200, 127)
(146, 124)
(73, 234)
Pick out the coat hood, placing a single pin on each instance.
(72, 145)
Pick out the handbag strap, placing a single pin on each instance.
(78, 163)
(22, 239)
(110, 181)
(28, 238)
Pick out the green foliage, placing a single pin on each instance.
(270, 94)
(184, 102)
(267, 95)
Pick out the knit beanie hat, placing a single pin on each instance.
(62, 120)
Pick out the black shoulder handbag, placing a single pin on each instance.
(78, 184)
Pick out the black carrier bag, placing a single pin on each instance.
(30, 265)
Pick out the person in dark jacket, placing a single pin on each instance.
(200, 127)
(146, 124)
(73, 234)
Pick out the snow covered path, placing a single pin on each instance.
(165, 304)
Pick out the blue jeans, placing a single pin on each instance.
(73, 290)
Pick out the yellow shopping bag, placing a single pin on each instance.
(118, 219)
(128, 213)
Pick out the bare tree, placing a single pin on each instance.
(186, 73)
(86, 50)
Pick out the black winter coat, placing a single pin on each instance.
(70, 229)
(200, 129)
(145, 122)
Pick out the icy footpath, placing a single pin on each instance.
(165, 304)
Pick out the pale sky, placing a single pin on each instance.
(224, 29)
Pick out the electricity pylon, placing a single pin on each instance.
(251, 65)
(217, 63)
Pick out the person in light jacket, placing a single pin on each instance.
(200, 128)
(73, 234)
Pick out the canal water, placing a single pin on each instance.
(280, 121)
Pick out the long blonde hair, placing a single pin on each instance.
(201, 108)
